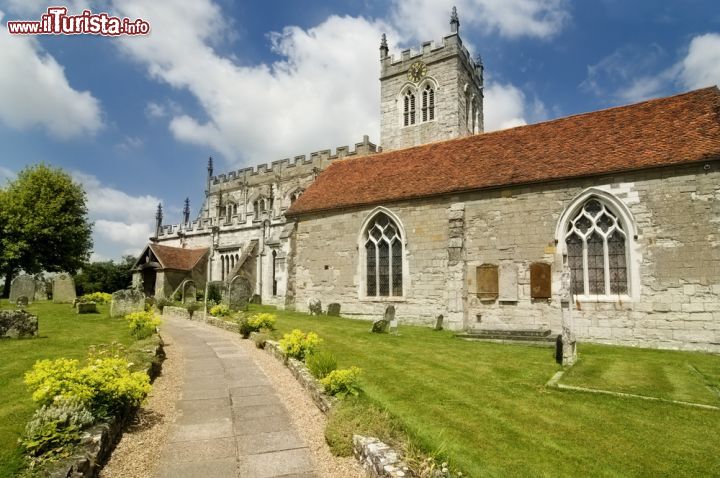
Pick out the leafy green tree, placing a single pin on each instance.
(106, 276)
(43, 223)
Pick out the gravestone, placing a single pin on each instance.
(380, 326)
(333, 309)
(41, 289)
(239, 293)
(393, 327)
(389, 313)
(63, 289)
(22, 301)
(567, 342)
(126, 302)
(86, 308)
(315, 306)
(439, 322)
(189, 292)
(23, 285)
(17, 323)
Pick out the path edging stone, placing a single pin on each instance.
(378, 459)
(99, 441)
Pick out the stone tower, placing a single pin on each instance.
(432, 95)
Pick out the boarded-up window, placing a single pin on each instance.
(487, 281)
(540, 280)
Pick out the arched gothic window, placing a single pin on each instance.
(383, 258)
(597, 250)
(428, 103)
(474, 117)
(409, 108)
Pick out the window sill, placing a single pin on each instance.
(382, 299)
(603, 298)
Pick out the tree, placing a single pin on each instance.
(43, 223)
(106, 276)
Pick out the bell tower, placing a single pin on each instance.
(431, 95)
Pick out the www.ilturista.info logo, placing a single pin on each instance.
(57, 22)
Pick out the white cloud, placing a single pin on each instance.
(129, 143)
(506, 106)
(122, 222)
(315, 95)
(155, 110)
(632, 74)
(429, 19)
(701, 66)
(35, 92)
(6, 175)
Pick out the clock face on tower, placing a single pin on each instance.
(417, 71)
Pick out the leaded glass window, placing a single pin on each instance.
(596, 245)
(383, 257)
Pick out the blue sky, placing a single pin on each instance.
(134, 119)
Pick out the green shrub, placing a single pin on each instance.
(55, 426)
(161, 303)
(105, 385)
(220, 310)
(297, 344)
(343, 382)
(192, 307)
(245, 328)
(97, 297)
(260, 338)
(142, 324)
(262, 321)
(321, 363)
(214, 293)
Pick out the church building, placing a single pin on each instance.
(444, 219)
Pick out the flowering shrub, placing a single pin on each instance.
(262, 321)
(105, 385)
(298, 344)
(54, 426)
(260, 339)
(343, 382)
(142, 324)
(97, 297)
(220, 310)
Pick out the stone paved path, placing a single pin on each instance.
(231, 421)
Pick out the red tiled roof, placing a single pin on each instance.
(177, 257)
(661, 132)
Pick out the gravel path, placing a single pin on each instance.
(308, 419)
(155, 432)
(137, 454)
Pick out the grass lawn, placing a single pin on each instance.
(485, 407)
(683, 376)
(63, 333)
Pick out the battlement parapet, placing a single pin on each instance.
(316, 159)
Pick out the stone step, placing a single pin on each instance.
(533, 333)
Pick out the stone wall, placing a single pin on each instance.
(674, 301)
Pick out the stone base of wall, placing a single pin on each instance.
(100, 440)
(378, 459)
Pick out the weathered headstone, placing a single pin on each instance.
(393, 327)
(41, 289)
(439, 322)
(126, 302)
(23, 285)
(238, 294)
(333, 309)
(389, 313)
(63, 289)
(380, 326)
(22, 301)
(315, 306)
(256, 299)
(567, 342)
(17, 323)
(86, 308)
(189, 292)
